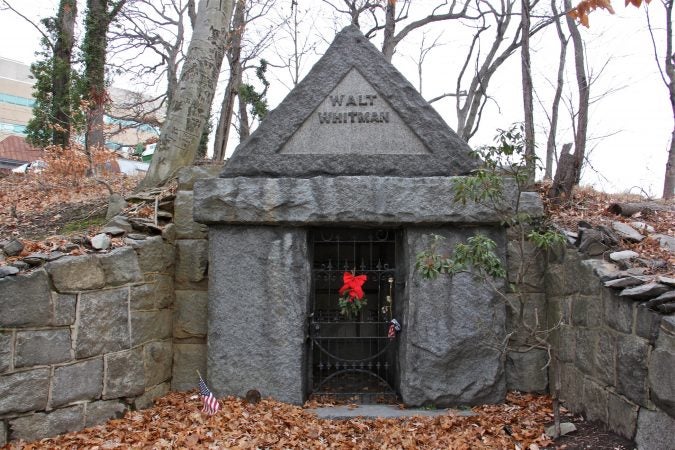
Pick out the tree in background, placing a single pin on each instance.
(56, 99)
(100, 14)
(185, 120)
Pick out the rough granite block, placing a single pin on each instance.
(186, 227)
(622, 415)
(76, 273)
(125, 374)
(655, 430)
(41, 425)
(150, 326)
(64, 308)
(192, 260)
(35, 348)
(187, 359)
(662, 379)
(102, 411)
(148, 398)
(631, 369)
(24, 391)
(190, 314)
(157, 358)
(79, 381)
(6, 350)
(120, 266)
(103, 324)
(595, 401)
(25, 300)
(618, 312)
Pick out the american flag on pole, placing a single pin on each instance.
(211, 405)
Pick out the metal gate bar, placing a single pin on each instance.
(352, 359)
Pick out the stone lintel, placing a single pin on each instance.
(344, 200)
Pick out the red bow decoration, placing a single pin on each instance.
(353, 285)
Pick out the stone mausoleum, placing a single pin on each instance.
(351, 173)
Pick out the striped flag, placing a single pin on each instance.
(211, 405)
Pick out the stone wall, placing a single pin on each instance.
(617, 356)
(191, 283)
(85, 338)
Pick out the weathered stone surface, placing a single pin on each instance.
(625, 282)
(103, 324)
(565, 428)
(665, 241)
(25, 300)
(116, 205)
(157, 357)
(645, 291)
(263, 153)
(534, 312)
(587, 311)
(345, 200)
(631, 368)
(604, 357)
(188, 175)
(24, 391)
(627, 232)
(79, 381)
(35, 259)
(169, 233)
(120, 266)
(13, 247)
(187, 358)
(186, 227)
(101, 242)
(243, 342)
(6, 350)
(602, 269)
(192, 260)
(661, 379)
(526, 371)
(595, 401)
(531, 204)
(33, 348)
(528, 266)
(622, 416)
(450, 359)
(102, 411)
(190, 314)
(618, 312)
(147, 399)
(593, 242)
(6, 271)
(623, 255)
(566, 343)
(41, 425)
(655, 430)
(647, 324)
(150, 326)
(157, 293)
(586, 344)
(76, 273)
(572, 387)
(64, 308)
(154, 255)
(125, 374)
(3, 433)
(113, 231)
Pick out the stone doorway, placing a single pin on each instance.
(351, 357)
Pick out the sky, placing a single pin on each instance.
(630, 123)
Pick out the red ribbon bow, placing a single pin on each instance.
(353, 285)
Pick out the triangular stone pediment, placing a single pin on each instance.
(354, 119)
(353, 114)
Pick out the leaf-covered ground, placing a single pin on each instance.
(175, 422)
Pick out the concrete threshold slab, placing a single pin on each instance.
(382, 411)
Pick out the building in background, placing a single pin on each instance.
(128, 125)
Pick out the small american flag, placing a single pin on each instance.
(211, 405)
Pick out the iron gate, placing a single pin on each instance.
(353, 358)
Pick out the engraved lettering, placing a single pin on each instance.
(337, 100)
(324, 117)
(350, 101)
(384, 117)
(372, 98)
(361, 102)
(352, 114)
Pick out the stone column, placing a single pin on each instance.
(447, 351)
(259, 288)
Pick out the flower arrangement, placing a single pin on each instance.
(352, 297)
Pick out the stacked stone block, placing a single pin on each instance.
(191, 282)
(84, 339)
(615, 357)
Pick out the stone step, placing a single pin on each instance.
(382, 412)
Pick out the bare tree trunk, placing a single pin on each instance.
(185, 121)
(584, 95)
(669, 178)
(244, 127)
(388, 44)
(61, 71)
(528, 107)
(555, 106)
(95, 43)
(232, 89)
